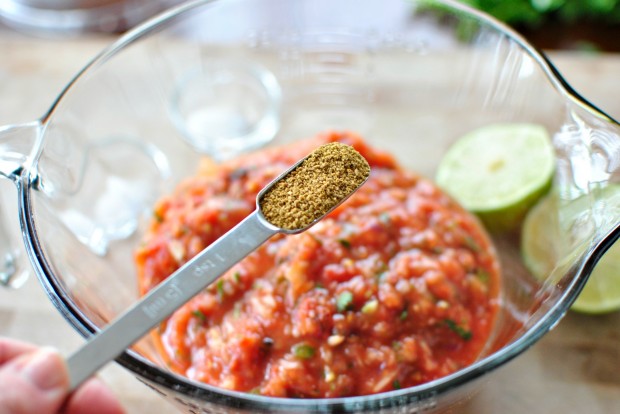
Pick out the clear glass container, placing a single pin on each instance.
(410, 76)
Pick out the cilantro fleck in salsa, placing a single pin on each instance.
(396, 287)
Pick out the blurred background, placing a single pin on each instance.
(67, 17)
(588, 25)
(560, 24)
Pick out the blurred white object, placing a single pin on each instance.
(75, 16)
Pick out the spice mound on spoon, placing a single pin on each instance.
(290, 204)
(319, 183)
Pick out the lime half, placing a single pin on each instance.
(499, 171)
(548, 240)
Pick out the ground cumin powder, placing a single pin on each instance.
(326, 177)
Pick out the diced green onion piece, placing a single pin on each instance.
(344, 300)
(303, 351)
(459, 330)
(199, 314)
(403, 315)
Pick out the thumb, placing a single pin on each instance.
(34, 383)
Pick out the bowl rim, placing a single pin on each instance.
(211, 394)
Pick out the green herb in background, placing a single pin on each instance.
(535, 12)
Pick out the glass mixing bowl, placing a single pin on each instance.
(223, 77)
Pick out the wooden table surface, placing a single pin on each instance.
(573, 369)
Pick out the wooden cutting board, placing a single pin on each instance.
(574, 369)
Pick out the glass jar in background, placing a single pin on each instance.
(76, 16)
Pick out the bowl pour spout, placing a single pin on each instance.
(18, 149)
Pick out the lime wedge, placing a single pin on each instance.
(499, 171)
(549, 239)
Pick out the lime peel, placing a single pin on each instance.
(541, 249)
(499, 171)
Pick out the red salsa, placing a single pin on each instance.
(396, 287)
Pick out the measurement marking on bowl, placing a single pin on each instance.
(229, 249)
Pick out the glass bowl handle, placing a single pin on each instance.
(18, 148)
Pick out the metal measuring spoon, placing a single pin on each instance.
(221, 255)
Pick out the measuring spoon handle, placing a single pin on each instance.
(168, 296)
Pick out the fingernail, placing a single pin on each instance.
(46, 370)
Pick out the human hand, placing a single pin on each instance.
(36, 381)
